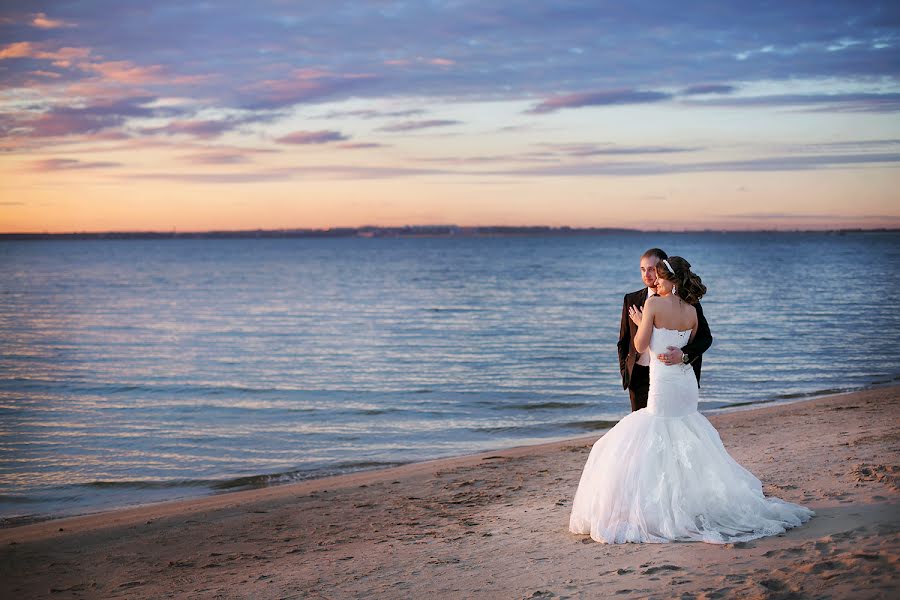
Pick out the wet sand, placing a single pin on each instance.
(494, 525)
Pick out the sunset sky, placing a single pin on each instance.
(311, 114)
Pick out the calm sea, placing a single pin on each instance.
(133, 371)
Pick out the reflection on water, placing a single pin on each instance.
(134, 371)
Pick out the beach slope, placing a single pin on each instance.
(494, 525)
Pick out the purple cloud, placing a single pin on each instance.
(612, 150)
(70, 164)
(606, 98)
(373, 114)
(711, 88)
(199, 129)
(216, 158)
(770, 163)
(302, 86)
(857, 102)
(341, 172)
(312, 137)
(413, 125)
(361, 145)
(61, 120)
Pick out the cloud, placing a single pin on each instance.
(50, 74)
(605, 98)
(300, 86)
(70, 164)
(803, 217)
(42, 21)
(340, 172)
(710, 88)
(199, 128)
(372, 114)
(67, 120)
(312, 137)
(855, 102)
(216, 158)
(613, 150)
(510, 51)
(413, 125)
(62, 57)
(123, 71)
(642, 168)
(206, 128)
(361, 145)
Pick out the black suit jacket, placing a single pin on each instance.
(628, 356)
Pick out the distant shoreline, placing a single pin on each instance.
(402, 231)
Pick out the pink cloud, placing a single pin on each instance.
(63, 57)
(312, 137)
(123, 71)
(17, 50)
(42, 21)
(604, 98)
(302, 85)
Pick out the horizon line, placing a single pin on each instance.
(445, 230)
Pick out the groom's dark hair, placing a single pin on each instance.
(657, 252)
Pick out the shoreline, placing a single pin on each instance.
(24, 520)
(494, 524)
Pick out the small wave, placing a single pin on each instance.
(374, 411)
(5, 499)
(147, 485)
(545, 427)
(543, 405)
(453, 309)
(825, 392)
(265, 480)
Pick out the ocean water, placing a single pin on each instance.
(134, 371)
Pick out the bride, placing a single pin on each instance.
(662, 474)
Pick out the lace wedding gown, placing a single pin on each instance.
(662, 474)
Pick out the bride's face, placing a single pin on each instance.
(664, 286)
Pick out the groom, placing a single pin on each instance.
(635, 367)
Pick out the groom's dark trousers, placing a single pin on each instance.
(636, 378)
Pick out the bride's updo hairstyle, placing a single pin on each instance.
(688, 284)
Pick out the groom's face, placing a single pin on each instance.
(648, 270)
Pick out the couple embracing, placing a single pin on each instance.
(662, 474)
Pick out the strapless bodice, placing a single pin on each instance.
(673, 388)
(661, 338)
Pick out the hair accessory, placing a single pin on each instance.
(668, 266)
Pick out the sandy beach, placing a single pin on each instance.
(494, 525)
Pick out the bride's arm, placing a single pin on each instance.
(642, 337)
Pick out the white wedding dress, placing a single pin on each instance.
(662, 474)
